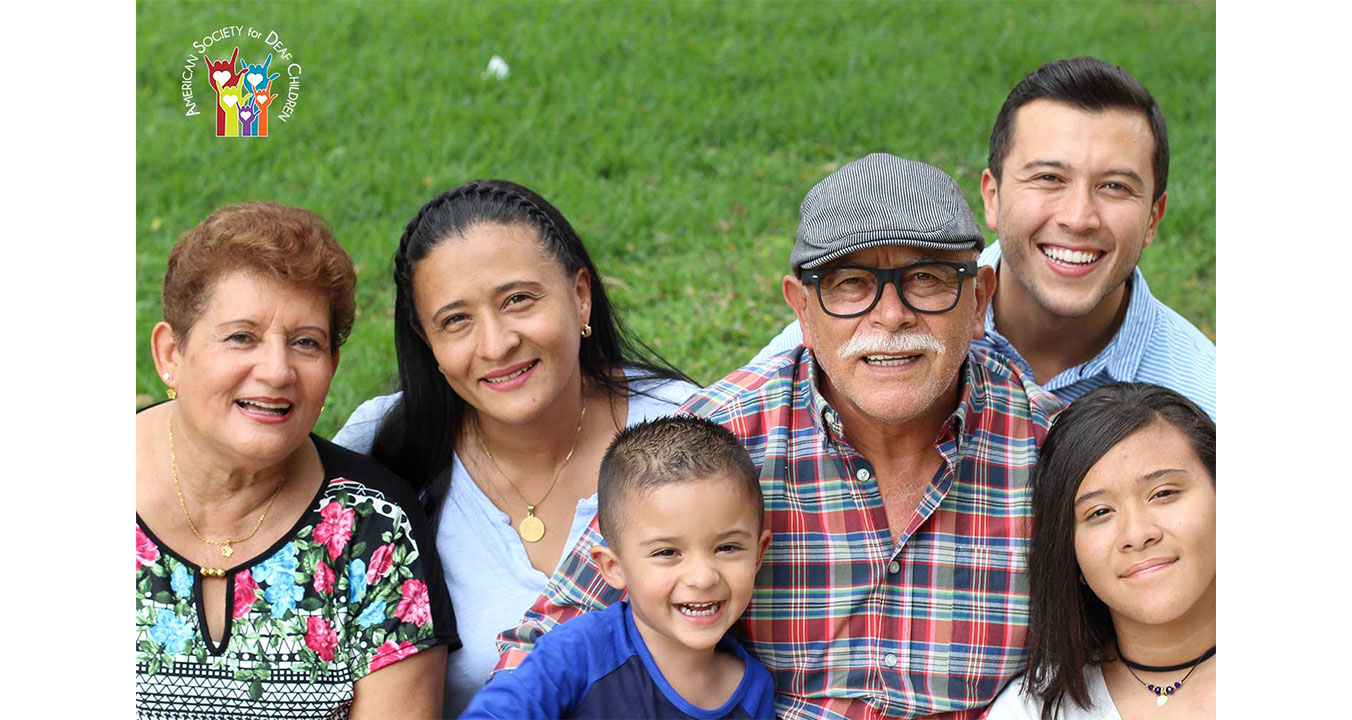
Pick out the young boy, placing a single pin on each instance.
(679, 504)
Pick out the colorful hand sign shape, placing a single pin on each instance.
(222, 74)
(231, 98)
(256, 76)
(262, 99)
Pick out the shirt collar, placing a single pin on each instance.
(1123, 353)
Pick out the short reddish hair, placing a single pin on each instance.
(287, 244)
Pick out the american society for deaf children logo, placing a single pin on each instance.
(243, 93)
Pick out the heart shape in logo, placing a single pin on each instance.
(245, 115)
(231, 100)
(262, 99)
(221, 76)
(254, 79)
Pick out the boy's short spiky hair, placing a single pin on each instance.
(669, 450)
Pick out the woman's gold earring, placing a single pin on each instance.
(586, 330)
(170, 393)
(321, 409)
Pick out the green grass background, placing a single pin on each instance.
(677, 137)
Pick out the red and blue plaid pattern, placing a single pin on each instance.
(851, 623)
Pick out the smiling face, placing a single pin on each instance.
(1073, 208)
(503, 319)
(892, 364)
(254, 369)
(688, 554)
(1145, 528)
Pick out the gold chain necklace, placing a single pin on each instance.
(226, 549)
(532, 528)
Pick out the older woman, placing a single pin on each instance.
(277, 574)
(515, 374)
(1123, 563)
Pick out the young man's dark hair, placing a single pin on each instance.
(1090, 84)
(675, 449)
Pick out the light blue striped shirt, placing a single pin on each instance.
(1153, 345)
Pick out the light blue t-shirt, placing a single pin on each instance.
(1153, 345)
(488, 573)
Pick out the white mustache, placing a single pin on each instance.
(900, 343)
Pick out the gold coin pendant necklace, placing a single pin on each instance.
(532, 528)
(226, 546)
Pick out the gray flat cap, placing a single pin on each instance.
(882, 200)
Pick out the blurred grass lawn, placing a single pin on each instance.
(678, 138)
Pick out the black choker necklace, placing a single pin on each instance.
(1162, 693)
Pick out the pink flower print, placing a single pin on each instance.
(335, 528)
(381, 562)
(323, 578)
(414, 606)
(245, 585)
(146, 552)
(320, 637)
(391, 653)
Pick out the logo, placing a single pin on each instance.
(242, 94)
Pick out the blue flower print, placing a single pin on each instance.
(279, 569)
(170, 632)
(374, 614)
(356, 580)
(181, 582)
(282, 597)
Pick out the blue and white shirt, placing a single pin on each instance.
(1153, 345)
(597, 666)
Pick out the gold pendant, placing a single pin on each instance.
(531, 528)
(226, 550)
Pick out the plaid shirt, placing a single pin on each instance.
(851, 625)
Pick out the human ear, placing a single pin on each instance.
(795, 294)
(164, 349)
(582, 287)
(1156, 214)
(990, 197)
(985, 282)
(609, 564)
(762, 545)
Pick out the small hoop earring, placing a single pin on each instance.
(321, 409)
(171, 393)
(586, 330)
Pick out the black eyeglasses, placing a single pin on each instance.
(848, 291)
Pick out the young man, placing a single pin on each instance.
(679, 503)
(1078, 164)
(894, 464)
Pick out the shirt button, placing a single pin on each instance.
(861, 473)
(890, 660)
(893, 567)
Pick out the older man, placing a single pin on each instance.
(1078, 164)
(894, 465)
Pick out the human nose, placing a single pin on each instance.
(496, 338)
(890, 311)
(701, 574)
(1137, 530)
(276, 366)
(1079, 213)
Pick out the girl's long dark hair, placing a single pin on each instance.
(1068, 626)
(418, 438)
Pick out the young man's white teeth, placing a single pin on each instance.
(1074, 257)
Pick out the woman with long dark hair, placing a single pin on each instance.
(1123, 562)
(514, 375)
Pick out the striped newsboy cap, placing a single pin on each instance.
(882, 200)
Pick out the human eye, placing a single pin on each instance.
(729, 548)
(1097, 514)
(453, 321)
(309, 343)
(665, 553)
(1164, 494)
(518, 299)
(239, 338)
